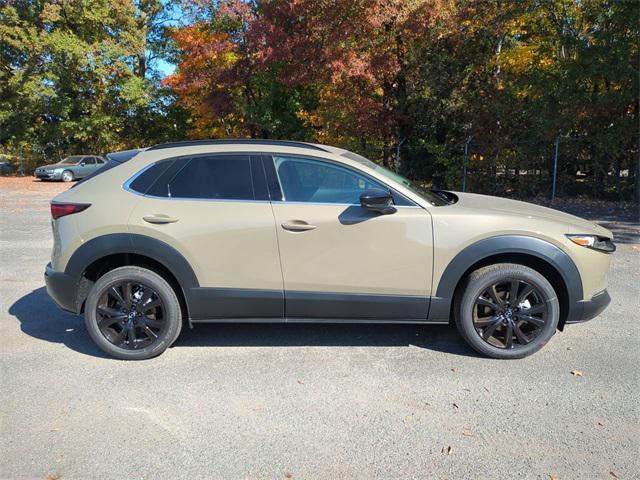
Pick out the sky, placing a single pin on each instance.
(165, 68)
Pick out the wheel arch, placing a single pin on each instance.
(104, 253)
(542, 256)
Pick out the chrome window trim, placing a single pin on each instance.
(339, 204)
(127, 187)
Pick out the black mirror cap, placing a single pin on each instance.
(377, 200)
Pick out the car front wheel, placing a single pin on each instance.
(67, 176)
(507, 311)
(132, 313)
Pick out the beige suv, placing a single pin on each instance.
(278, 231)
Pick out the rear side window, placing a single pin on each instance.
(89, 160)
(214, 177)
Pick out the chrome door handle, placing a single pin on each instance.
(159, 218)
(297, 226)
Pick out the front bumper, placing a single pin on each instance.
(47, 175)
(62, 288)
(588, 309)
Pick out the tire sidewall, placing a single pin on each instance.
(479, 281)
(69, 178)
(164, 291)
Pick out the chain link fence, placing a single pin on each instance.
(565, 167)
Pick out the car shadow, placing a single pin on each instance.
(40, 318)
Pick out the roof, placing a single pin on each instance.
(239, 141)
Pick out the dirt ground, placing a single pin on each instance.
(308, 401)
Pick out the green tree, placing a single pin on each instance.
(74, 77)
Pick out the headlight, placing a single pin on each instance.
(595, 242)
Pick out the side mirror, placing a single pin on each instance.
(82, 164)
(377, 200)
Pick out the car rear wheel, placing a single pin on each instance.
(507, 311)
(67, 176)
(132, 313)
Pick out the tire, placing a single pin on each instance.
(117, 317)
(499, 324)
(67, 176)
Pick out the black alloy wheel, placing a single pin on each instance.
(131, 315)
(507, 310)
(509, 314)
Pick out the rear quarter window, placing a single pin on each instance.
(146, 179)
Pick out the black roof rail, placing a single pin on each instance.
(236, 141)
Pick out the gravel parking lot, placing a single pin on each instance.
(303, 401)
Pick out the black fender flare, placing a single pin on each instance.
(117, 243)
(507, 244)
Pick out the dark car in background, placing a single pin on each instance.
(6, 168)
(7, 164)
(71, 168)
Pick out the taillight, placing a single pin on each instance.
(61, 209)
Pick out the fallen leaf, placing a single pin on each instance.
(454, 369)
(54, 430)
(448, 450)
(301, 382)
(554, 477)
(577, 373)
(54, 476)
(486, 388)
(569, 348)
(455, 405)
(613, 474)
(288, 475)
(600, 424)
(258, 408)
(466, 431)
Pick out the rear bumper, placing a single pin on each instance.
(62, 289)
(588, 309)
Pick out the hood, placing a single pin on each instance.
(523, 209)
(53, 166)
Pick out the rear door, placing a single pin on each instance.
(340, 261)
(214, 210)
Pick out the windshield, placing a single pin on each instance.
(72, 160)
(425, 193)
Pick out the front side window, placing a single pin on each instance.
(315, 181)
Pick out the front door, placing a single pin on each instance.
(86, 166)
(340, 261)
